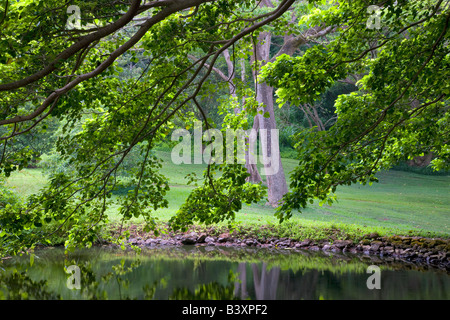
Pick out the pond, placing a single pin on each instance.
(223, 273)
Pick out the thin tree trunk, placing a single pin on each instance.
(250, 160)
(311, 113)
(250, 156)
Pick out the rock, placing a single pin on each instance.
(304, 243)
(412, 256)
(249, 242)
(373, 235)
(223, 237)
(209, 239)
(342, 243)
(352, 250)
(189, 240)
(201, 238)
(193, 235)
(284, 243)
(375, 246)
(326, 247)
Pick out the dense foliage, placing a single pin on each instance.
(74, 76)
(400, 110)
(108, 86)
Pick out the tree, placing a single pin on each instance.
(292, 40)
(261, 51)
(72, 75)
(399, 52)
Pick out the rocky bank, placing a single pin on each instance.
(419, 250)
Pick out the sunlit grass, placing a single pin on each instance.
(402, 202)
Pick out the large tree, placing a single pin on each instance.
(260, 51)
(68, 72)
(72, 74)
(398, 51)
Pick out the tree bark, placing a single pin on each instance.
(311, 115)
(275, 178)
(421, 161)
(250, 160)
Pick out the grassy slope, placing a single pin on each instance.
(401, 202)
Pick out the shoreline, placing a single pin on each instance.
(434, 252)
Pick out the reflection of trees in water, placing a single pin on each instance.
(209, 291)
(213, 279)
(272, 284)
(241, 285)
(265, 281)
(308, 286)
(19, 286)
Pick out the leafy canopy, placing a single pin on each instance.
(401, 109)
(76, 76)
(79, 79)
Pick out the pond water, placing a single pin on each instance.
(190, 272)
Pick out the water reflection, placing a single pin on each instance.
(183, 273)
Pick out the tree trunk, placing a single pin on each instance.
(275, 178)
(311, 115)
(421, 161)
(250, 161)
(250, 156)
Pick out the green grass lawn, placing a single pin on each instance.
(401, 203)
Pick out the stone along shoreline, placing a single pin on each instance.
(419, 250)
